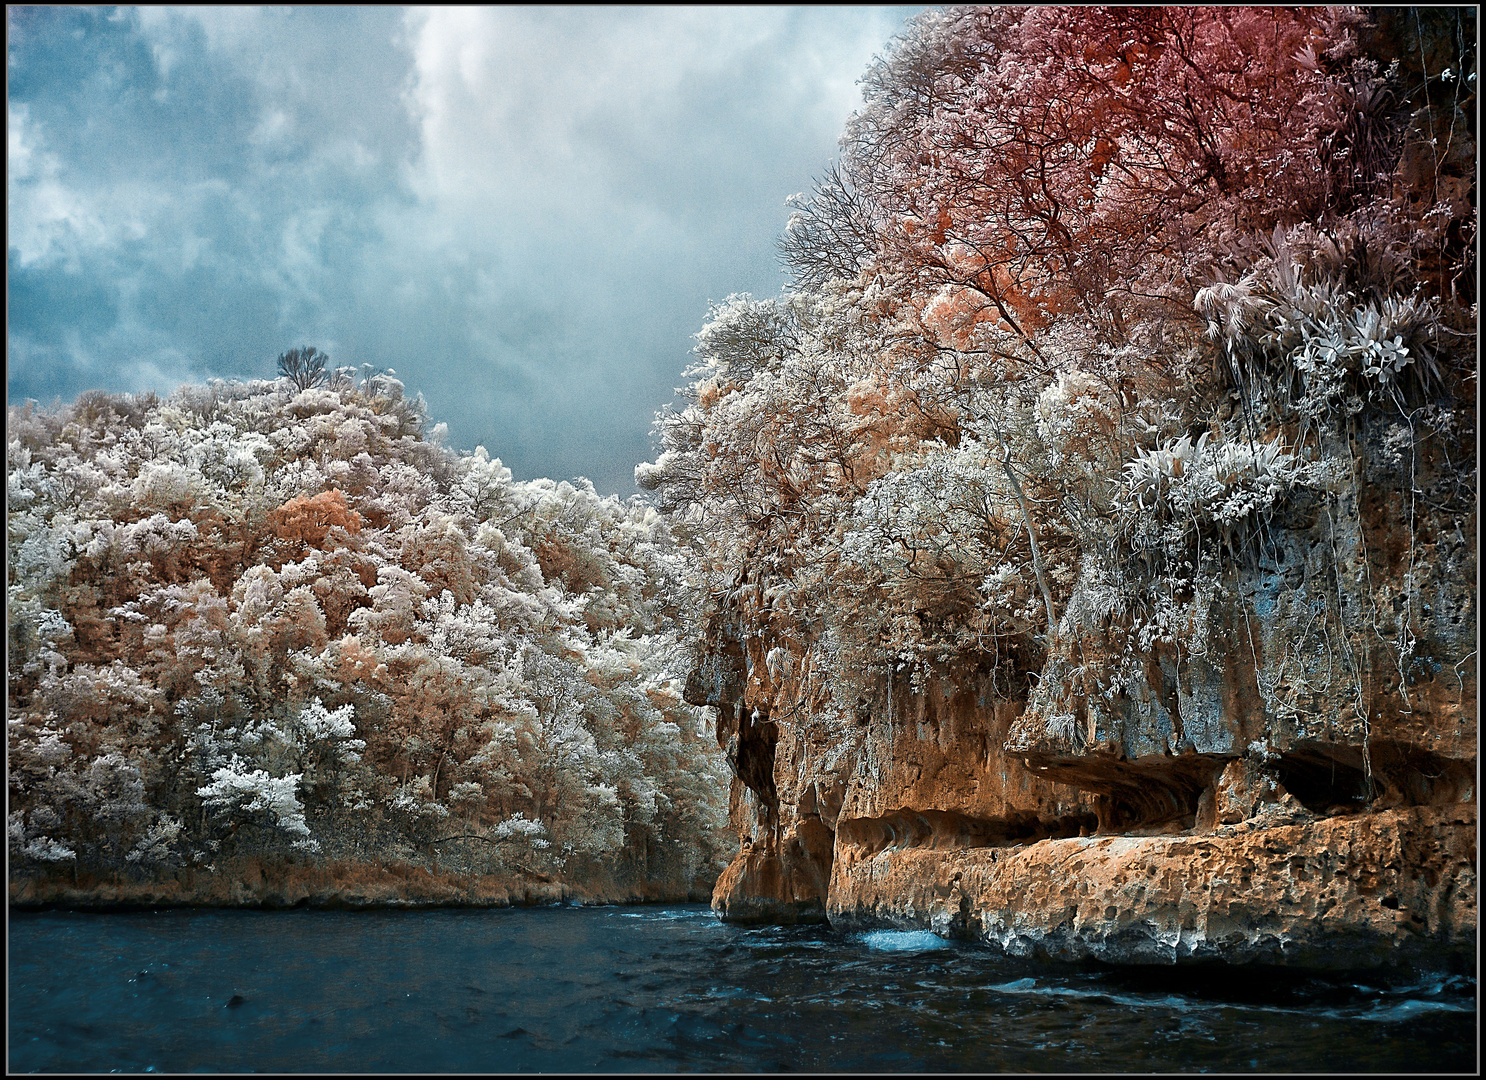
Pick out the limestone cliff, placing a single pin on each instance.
(1247, 805)
(1089, 536)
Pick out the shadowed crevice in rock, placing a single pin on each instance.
(719, 679)
(949, 830)
(751, 739)
(1153, 794)
(1332, 778)
(1168, 795)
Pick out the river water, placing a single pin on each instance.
(669, 989)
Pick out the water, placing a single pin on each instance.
(665, 989)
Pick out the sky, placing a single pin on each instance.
(522, 211)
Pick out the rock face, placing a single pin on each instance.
(1343, 892)
(1289, 797)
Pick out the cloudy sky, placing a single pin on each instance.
(523, 211)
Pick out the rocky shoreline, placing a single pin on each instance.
(269, 885)
(1339, 893)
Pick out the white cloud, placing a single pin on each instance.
(543, 108)
(49, 222)
(525, 210)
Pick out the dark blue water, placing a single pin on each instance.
(665, 989)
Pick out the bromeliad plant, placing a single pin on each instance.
(1314, 336)
(1227, 490)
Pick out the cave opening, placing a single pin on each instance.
(1332, 778)
(952, 830)
(1323, 783)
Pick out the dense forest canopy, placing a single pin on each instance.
(280, 617)
(1095, 301)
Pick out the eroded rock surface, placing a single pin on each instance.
(1341, 892)
(1245, 806)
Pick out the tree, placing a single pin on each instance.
(1095, 299)
(304, 367)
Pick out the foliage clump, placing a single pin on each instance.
(280, 619)
(1097, 302)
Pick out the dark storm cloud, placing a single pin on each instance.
(524, 211)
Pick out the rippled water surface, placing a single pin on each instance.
(665, 989)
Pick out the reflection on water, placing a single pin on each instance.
(669, 989)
